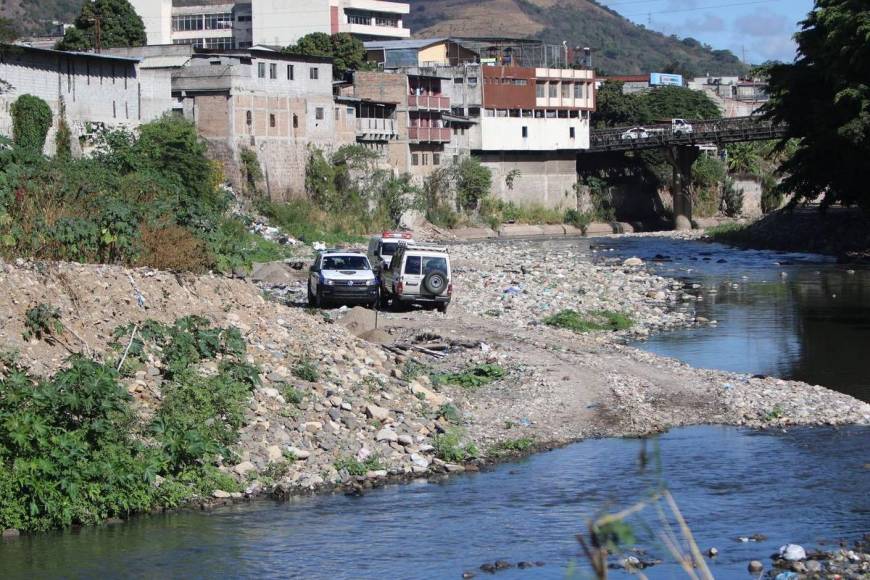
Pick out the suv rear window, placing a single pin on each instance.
(434, 263)
(412, 265)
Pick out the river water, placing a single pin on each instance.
(807, 486)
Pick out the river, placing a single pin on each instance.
(805, 485)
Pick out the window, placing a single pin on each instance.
(436, 159)
(424, 159)
(359, 19)
(525, 132)
(413, 265)
(554, 90)
(387, 22)
(566, 90)
(249, 118)
(314, 73)
(458, 81)
(223, 21)
(224, 43)
(472, 80)
(273, 71)
(295, 121)
(318, 113)
(415, 160)
(244, 18)
(290, 72)
(578, 90)
(272, 121)
(187, 22)
(474, 111)
(571, 133)
(337, 114)
(114, 110)
(261, 70)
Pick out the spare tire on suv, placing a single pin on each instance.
(435, 283)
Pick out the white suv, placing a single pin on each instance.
(418, 274)
(382, 247)
(341, 277)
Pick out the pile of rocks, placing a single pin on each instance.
(525, 282)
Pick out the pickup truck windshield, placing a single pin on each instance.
(346, 263)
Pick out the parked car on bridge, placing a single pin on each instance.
(681, 127)
(342, 277)
(635, 133)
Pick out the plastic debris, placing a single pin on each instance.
(792, 552)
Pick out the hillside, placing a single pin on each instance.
(620, 46)
(34, 17)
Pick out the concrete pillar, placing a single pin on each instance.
(682, 158)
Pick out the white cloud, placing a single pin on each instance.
(762, 23)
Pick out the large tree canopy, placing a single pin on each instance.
(120, 26)
(657, 105)
(824, 99)
(347, 52)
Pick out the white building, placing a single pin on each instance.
(228, 24)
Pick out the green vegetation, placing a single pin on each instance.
(824, 100)
(146, 199)
(357, 468)
(450, 447)
(347, 52)
(73, 450)
(119, 24)
(42, 321)
(512, 447)
(251, 169)
(31, 120)
(413, 369)
(659, 104)
(472, 377)
(350, 195)
(307, 371)
(450, 413)
(590, 321)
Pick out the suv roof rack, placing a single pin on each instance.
(425, 247)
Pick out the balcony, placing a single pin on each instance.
(429, 103)
(371, 129)
(429, 134)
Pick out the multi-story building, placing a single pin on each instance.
(228, 24)
(274, 104)
(89, 91)
(519, 117)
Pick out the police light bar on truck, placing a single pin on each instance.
(397, 235)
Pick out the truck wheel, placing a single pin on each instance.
(310, 298)
(435, 283)
(442, 308)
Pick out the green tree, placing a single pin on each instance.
(473, 183)
(347, 52)
(824, 100)
(615, 109)
(120, 26)
(665, 103)
(8, 31)
(31, 120)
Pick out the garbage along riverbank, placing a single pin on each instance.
(344, 404)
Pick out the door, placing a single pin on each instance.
(412, 274)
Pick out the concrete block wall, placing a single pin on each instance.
(545, 179)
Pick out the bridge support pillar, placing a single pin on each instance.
(681, 158)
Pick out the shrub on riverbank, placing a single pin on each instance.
(147, 199)
(590, 321)
(74, 451)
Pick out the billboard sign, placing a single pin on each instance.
(664, 79)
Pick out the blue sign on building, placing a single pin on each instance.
(664, 79)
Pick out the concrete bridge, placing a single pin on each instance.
(682, 149)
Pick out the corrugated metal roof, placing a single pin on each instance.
(69, 52)
(413, 43)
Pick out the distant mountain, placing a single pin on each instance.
(620, 47)
(35, 17)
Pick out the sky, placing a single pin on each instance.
(760, 29)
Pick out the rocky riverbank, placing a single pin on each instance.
(344, 404)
